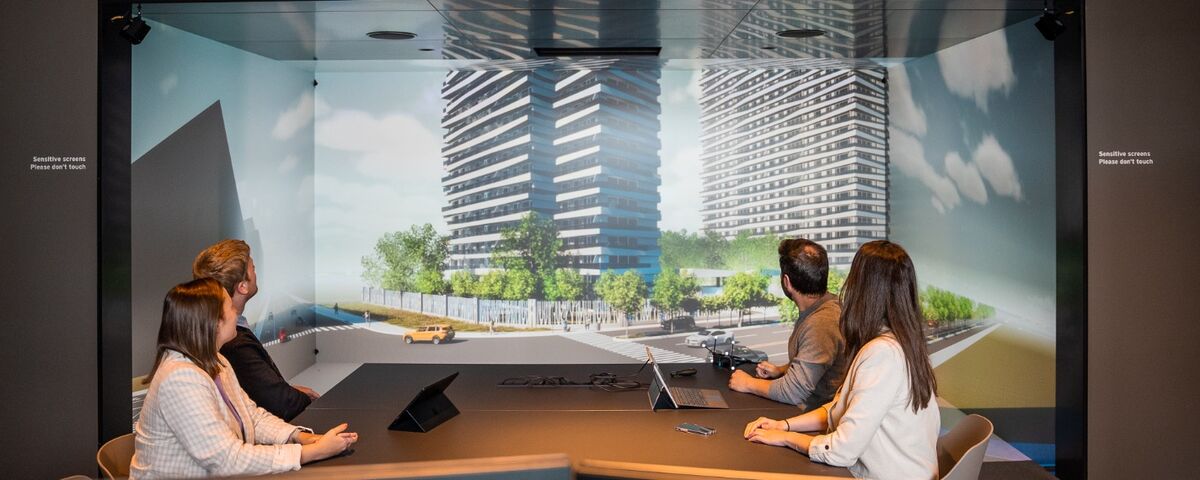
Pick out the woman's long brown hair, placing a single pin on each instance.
(881, 291)
(189, 324)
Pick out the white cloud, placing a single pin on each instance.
(395, 146)
(966, 177)
(680, 189)
(306, 192)
(903, 110)
(169, 83)
(689, 94)
(908, 156)
(937, 205)
(295, 118)
(997, 168)
(288, 164)
(975, 68)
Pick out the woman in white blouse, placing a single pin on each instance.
(196, 420)
(883, 423)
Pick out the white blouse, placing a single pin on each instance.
(872, 428)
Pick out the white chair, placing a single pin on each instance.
(960, 451)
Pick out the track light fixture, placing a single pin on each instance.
(1050, 24)
(133, 28)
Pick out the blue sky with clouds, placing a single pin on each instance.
(972, 170)
(379, 168)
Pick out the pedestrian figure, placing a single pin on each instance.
(336, 310)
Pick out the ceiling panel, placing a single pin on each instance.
(510, 29)
(743, 5)
(595, 24)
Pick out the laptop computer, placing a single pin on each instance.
(663, 395)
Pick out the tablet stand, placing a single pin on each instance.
(425, 414)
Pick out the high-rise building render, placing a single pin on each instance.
(796, 153)
(578, 146)
(606, 177)
(498, 157)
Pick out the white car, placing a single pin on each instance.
(709, 338)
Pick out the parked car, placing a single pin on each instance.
(680, 323)
(709, 338)
(430, 333)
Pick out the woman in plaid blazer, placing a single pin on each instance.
(196, 420)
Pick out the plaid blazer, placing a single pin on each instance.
(186, 430)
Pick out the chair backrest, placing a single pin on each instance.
(960, 451)
(114, 456)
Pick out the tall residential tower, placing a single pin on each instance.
(578, 146)
(796, 153)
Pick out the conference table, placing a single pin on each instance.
(583, 422)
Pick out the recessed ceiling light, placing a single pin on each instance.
(800, 33)
(391, 35)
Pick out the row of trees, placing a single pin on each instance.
(943, 306)
(526, 256)
(937, 305)
(682, 249)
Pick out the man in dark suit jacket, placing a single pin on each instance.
(229, 263)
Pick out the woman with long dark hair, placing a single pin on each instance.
(883, 423)
(196, 421)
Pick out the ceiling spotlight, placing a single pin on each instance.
(391, 35)
(133, 28)
(800, 33)
(1050, 24)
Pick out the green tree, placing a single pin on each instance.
(567, 284)
(532, 245)
(752, 253)
(624, 293)
(462, 283)
(430, 282)
(691, 250)
(519, 284)
(400, 257)
(744, 290)
(491, 285)
(671, 288)
(788, 311)
(836, 279)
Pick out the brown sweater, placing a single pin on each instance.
(816, 356)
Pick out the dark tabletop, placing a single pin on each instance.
(583, 422)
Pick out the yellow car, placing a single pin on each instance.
(430, 333)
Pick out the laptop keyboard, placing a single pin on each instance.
(689, 396)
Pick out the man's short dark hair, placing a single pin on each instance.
(806, 265)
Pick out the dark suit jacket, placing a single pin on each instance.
(260, 378)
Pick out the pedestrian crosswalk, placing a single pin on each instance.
(632, 350)
(310, 331)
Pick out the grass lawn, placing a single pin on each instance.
(407, 319)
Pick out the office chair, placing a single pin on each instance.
(960, 451)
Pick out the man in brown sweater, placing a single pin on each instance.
(816, 349)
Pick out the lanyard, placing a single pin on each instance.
(230, 405)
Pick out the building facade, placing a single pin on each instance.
(797, 153)
(578, 146)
